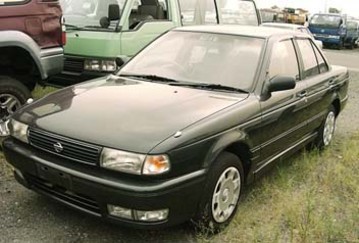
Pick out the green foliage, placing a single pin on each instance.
(42, 91)
(311, 198)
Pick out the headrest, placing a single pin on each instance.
(150, 2)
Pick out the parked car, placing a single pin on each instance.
(180, 130)
(295, 27)
(31, 50)
(99, 31)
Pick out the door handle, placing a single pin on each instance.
(331, 82)
(302, 94)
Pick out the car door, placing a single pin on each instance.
(320, 82)
(283, 114)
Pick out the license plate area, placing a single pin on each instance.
(55, 178)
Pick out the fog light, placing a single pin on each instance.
(120, 212)
(152, 216)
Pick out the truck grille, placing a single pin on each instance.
(65, 147)
(79, 201)
(74, 65)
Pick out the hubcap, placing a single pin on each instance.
(329, 128)
(8, 105)
(226, 195)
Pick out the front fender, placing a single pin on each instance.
(222, 142)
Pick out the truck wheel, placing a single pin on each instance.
(351, 45)
(340, 45)
(327, 129)
(13, 95)
(221, 194)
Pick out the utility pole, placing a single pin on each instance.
(325, 6)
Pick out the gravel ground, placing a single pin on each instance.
(28, 217)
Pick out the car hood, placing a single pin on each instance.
(123, 113)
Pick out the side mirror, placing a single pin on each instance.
(121, 60)
(113, 12)
(278, 83)
(281, 83)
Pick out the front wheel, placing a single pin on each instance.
(327, 129)
(221, 194)
(13, 95)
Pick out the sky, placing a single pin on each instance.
(350, 7)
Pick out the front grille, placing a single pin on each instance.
(65, 147)
(80, 201)
(74, 65)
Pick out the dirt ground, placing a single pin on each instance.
(28, 217)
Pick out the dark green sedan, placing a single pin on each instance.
(178, 132)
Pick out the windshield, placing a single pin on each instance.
(351, 25)
(326, 21)
(88, 13)
(200, 58)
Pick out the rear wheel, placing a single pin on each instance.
(221, 194)
(13, 95)
(327, 129)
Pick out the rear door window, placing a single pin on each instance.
(12, 2)
(309, 58)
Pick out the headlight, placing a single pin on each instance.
(100, 65)
(334, 36)
(19, 130)
(134, 163)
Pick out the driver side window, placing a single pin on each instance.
(148, 10)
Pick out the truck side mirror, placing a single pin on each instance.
(113, 12)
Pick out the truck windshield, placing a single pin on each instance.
(200, 58)
(325, 21)
(86, 14)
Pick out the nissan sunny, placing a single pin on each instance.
(177, 133)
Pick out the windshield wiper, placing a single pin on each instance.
(211, 87)
(150, 77)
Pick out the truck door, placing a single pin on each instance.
(144, 21)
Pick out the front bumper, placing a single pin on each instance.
(52, 61)
(326, 39)
(91, 189)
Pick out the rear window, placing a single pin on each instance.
(12, 2)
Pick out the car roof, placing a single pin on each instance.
(284, 25)
(242, 30)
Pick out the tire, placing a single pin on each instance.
(327, 129)
(13, 95)
(221, 194)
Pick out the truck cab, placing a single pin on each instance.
(99, 32)
(331, 29)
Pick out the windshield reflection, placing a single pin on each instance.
(200, 58)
